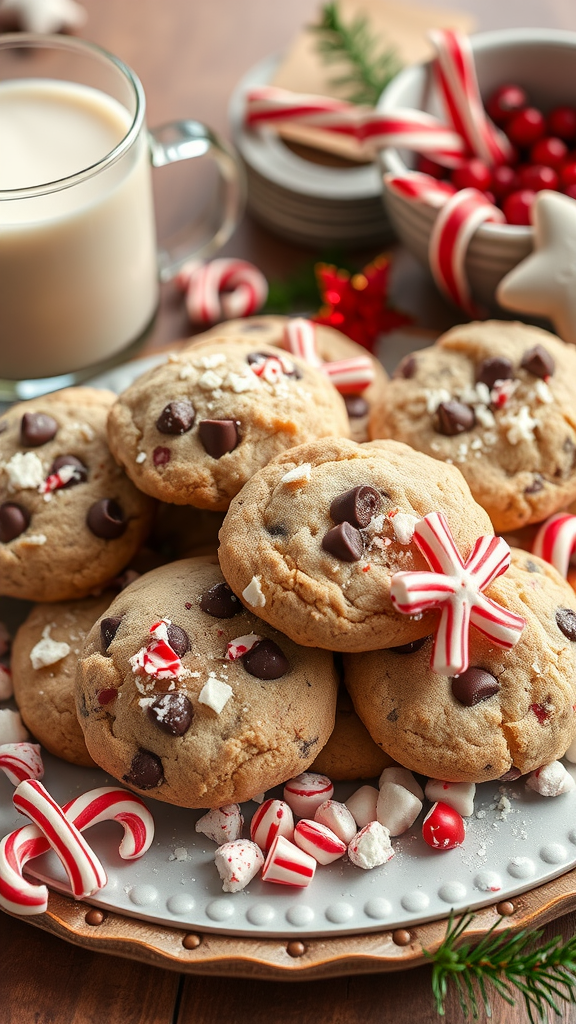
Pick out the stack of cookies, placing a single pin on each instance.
(324, 586)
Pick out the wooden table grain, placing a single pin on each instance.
(189, 54)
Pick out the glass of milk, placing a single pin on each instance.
(79, 265)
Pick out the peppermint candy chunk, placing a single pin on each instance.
(456, 588)
(319, 841)
(362, 805)
(300, 340)
(371, 847)
(20, 761)
(12, 728)
(286, 864)
(350, 376)
(306, 792)
(222, 824)
(237, 863)
(555, 541)
(157, 660)
(337, 818)
(459, 795)
(273, 818)
(551, 780)
(443, 828)
(241, 645)
(401, 777)
(397, 808)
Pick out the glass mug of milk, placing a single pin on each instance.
(79, 266)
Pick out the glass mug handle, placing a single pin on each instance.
(185, 140)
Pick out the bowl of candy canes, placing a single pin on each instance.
(474, 135)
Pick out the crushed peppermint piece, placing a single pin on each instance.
(12, 728)
(300, 474)
(187, 372)
(48, 651)
(141, 457)
(180, 853)
(86, 431)
(210, 381)
(33, 540)
(253, 593)
(543, 392)
(211, 362)
(520, 425)
(484, 416)
(551, 780)
(404, 524)
(240, 382)
(241, 645)
(24, 471)
(435, 397)
(215, 694)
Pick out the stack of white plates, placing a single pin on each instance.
(305, 202)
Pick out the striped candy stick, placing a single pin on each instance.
(273, 818)
(349, 376)
(20, 761)
(300, 340)
(286, 864)
(555, 541)
(222, 289)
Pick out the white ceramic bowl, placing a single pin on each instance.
(543, 61)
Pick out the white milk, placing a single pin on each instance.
(78, 273)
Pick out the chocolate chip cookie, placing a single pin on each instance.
(507, 714)
(350, 752)
(195, 429)
(186, 696)
(498, 400)
(313, 540)
(331, 344)
(70, 519)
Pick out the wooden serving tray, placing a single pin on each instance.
(289, 959)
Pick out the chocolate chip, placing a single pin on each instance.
(511, 775)
(344, 542)
(536, 485)
(412, 647)
(161, 456)
(491, 370)
(106, 519)
(473, 686)
(146, 770)
(14, 519)
(276, 530)
(220, 602)
(81, 472)
(176, 417)
(393, 716)
(266, 661)
(178, 639)
(37, 428)
(356, 406)
(566, 622)
(356, 506)
(218, 436)
(108, 629)
(172, 712)
(406, 368)
(454, 418)
(538, 362)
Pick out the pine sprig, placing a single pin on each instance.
(370, 70)
(543, 975)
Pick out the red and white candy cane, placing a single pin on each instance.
(222, 289)
(349, 376)
(419, 188)
(319, 841)
(20, 761)
(22, 897)
(300, 340)
(458, 85)
(555, 541)
(456, 588)
(273, 818)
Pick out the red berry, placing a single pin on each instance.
(443, 827)
(526, 127)
(427, 166)
(473, 173)
(504, 180)
(570, 191)
(505, 101)
(562, 122)
(537, 177)
(517, 206)
(568, 173)
(550, 151)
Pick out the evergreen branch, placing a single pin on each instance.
(545, 975)
(353, 44)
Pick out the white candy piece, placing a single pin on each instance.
(6, 687)
(551, 780)
(371, 846)
(320, 842)
(570, 754)
(362, 805)
(401, 777)
(215, 694)
(286, 864)
(12, 728)
(48, 651)
(306, 792)
(237, 863)
(458, 795)
(222, 824)
(253, 593)
(273, 818)
(397, 808)
(337, 818)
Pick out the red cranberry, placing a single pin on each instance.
(562, 122)
(526, 127)
(505, 101)
(517, 206)
(427, 166)
(570, 191)
(568, 173)
(472, 174)
(550, 151)
(504, 181)
(537, 177)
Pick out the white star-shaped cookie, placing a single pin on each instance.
(45, 16)
(544, 284)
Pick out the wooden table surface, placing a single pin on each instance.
(189, 55)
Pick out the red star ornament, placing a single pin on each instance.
(356, 304)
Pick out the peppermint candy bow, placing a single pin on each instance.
(456, 588)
